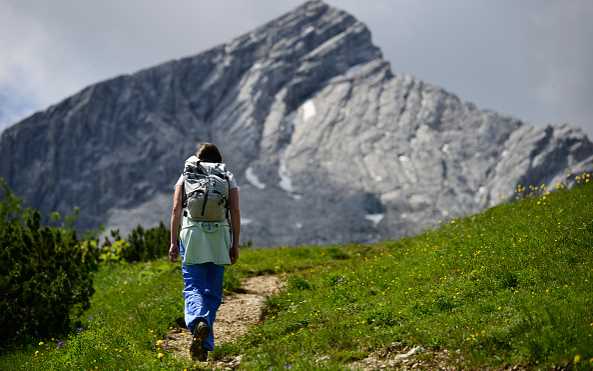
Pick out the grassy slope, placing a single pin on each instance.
(133, 304)
(136, 304)
(511, 285)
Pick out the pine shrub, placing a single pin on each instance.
(146, 244)
(45, 272)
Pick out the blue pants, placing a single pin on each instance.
(202, 293)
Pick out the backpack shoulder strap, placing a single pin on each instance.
(227, 201)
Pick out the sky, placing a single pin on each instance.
(532, 59)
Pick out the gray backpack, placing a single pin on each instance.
(205, 191)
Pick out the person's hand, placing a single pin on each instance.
(173, 252)
(234, 253)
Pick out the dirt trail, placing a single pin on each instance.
(236, 314)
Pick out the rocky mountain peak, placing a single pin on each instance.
(328, 145)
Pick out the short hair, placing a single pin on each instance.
(208, 152)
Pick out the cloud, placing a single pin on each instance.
(531, 59)
(561, 59)
(51, 50)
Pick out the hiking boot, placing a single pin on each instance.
(196, 349)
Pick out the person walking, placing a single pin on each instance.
(206, 199)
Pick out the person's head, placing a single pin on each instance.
(208, 152)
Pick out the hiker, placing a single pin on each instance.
(206, 197)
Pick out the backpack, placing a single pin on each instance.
(205, 191)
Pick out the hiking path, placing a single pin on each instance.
(238, 312)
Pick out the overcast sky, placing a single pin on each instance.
(532, 59)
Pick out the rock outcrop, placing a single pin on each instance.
(328, 144)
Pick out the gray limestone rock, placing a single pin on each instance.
(328, 145)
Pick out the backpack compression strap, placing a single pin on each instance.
(226, 205)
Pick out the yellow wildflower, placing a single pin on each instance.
(36, 352)
(160, 355)
(41, 343)
(577, 358)
(159, 343)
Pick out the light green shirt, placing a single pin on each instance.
(205, 241)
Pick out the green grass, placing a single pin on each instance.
(134, 304)
(512, 285)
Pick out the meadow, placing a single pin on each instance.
(510, 286)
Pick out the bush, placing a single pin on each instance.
(146, 244)
(45, 272)
(141, 245)
(111, 252)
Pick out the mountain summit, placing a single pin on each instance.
(328, 145)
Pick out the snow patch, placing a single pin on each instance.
(308, 30)
(245, 221)
(299, 225)
(504, 153)
(308, 110)
(375, 218)
(253, 179)
(403, 158)
(285, 181)
(482, 190)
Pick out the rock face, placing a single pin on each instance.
(328, 145)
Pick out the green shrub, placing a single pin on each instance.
(146, 244)
(45, 272)
(111, 252)
(140, 245)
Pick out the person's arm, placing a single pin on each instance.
(235, 223)
(175, 219)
